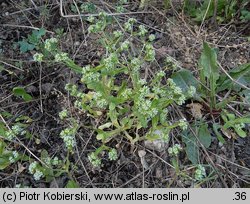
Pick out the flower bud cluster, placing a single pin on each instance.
(174, 150)
(68, 136)
(50, 44)
(38, 57)
(200, 173)
(34, 168)
(149, 52)
(15, 131)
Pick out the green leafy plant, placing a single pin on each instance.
(127, 107)
(8, 154)
(211, 77)
(47, 167)
(240, 75)
(189, 138)
(245, 15)
(212, 83)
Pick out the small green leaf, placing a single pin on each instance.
(230, 116)
(4, 159)
(25, 46)
(72, 184)
(6, 114)
(19, 91)
(192, 149)
(39, 33)
(106, 125)
(246, 94)
(245, 119)
(112, 106)
(44, 155)
(3, 129)
(240, 74)
(240, 132)
(36, 35)
(4, 162)
(2, 146)
(24, 118)
(216, 128)
(204, 135)
(184, 79)
(224, 102)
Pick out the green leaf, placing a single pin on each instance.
(216, 128)
(224, 102)
(25, 46)
(3, 130)
(4, 162)
(204, 135)
(24, 118)
(106, 125)
(184, 79)
(39, 33)
(209, 73)
(112, 106)
(72, 184)
(240, 132)
(240, 74)
(208, 62)
(103, 135)
(44, 155)
(2, 146)
(232, 122)
(6, 114)
(4, 159)
(74, 66)
(245, 119)
(19, 91)
(113, 115)
(36, 35)
(192, 149)
(246, 94)
(245, 15)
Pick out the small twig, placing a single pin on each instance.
(85, 170)
(10, 65)
(34, 4)
(204, 17)
(23, 26)
(40, 87)
(226, 160)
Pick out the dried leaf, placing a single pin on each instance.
(196, 110)
(21, 168)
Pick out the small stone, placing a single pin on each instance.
(158, 173)
(157, 145)
(141, 153)
(77, 43)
